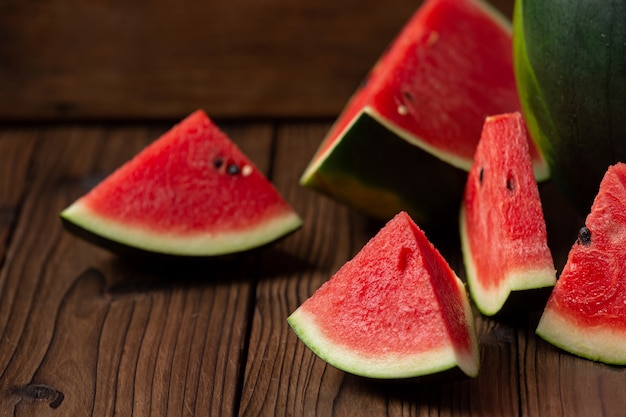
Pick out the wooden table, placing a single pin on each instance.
(86, 333)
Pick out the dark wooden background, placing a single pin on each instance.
(84, 85)
(118, 59)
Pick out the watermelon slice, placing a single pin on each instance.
(192, 192)
(396, 310)
(586, 313)
(503, 231)
(407, 137)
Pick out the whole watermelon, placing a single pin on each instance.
(570, 67)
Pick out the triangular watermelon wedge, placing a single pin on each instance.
(503, 230)
(395, 311)
(406, 138)
(192, 192)
(586, 313)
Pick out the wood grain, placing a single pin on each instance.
(281, 375)
(16, 148)
(86, 333)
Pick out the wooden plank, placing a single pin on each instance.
(163, 59)
(86, 333)
(32, 283)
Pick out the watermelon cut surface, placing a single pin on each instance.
(192, 192)
(396, 310)
(586, 313)
(407, 137)
(503, 232)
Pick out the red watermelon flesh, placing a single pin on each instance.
(503, 231)
(424, 101)
(396, 310)
(586, 313)
(191, 192)
(449, 68)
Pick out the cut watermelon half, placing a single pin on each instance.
(586, 313)
(192, 192)
(396, 310)
(407, 137)
(503, 231)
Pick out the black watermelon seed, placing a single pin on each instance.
(584, 236)
(233, 169)
(510, 182)
(218, 162)
(481, 174)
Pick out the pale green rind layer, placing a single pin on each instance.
(391, 366)
(491, 301)
(534, 107)
(387, 367)
(455, 161)
(600, 344)
(495, 15)
(202, 244)
(540, 169)
(469, 362)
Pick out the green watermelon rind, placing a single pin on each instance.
(540, 169)
(491, 302)
(199, 244)
(602, 344)
(385, 185)
(458, 162)
(383, 180)
(570, 61)
(392, 366)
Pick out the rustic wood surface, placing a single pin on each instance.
(86, 333)
(119, 59)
